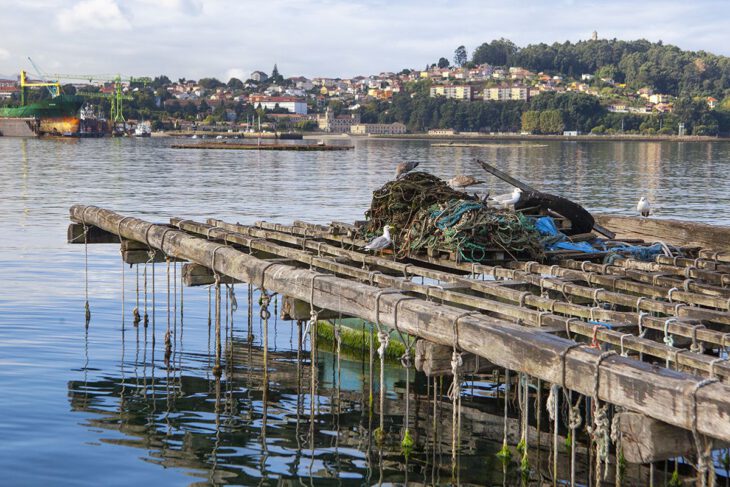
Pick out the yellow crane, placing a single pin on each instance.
(54, 87)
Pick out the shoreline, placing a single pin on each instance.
(561, 138)
(462, 138)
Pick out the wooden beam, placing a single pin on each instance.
(435, 360)
(667, 395)
(199, 275)
(94, 235)
(646, 440)
(674, 232)
(293, 309)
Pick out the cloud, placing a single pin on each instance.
(236, 73)
(93, 14)
(223, 38)
(4, 54)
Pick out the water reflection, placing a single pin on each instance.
(235, 429)
(116, 377)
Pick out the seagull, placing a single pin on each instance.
(508, 199)
(404, 167)
(461, 181)
(379, 243)
(643, 207)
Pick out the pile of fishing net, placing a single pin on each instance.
(428, 215)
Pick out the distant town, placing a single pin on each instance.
(579, 94)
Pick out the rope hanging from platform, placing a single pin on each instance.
(265, 314)
(217, 370)
(457, 363)
(522, 447)
(119, 234)
(146, 317)
(574, 422)
(600, 430)
(383, 341)
(135, 312)
(505, 454)
(552, 409)
(703, 444)
(87, 309)
(168, 334)
(407, 441)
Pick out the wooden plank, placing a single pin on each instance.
(646, 440)
(435, 360)
(505, 177)
(674, 232)
(94, 235)
(199, 275)
(293, 309)
(663, 394)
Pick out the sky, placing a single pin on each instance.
(223, 39)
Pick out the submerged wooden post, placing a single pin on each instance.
(663, 394)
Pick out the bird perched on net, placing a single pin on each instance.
(644, 207)
(461, 181)
(508, 199)
(379, 243)
(404, 167)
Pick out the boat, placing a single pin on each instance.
(55, 116)
(143, 129)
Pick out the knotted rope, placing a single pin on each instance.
(705, 466)
(600, 431)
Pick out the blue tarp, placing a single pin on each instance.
(556, 240)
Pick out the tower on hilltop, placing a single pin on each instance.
(594, 36)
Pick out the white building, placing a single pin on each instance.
(507, 93)
(378, 129)
(291, 104)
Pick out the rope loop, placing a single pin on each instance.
(595, 295)
(704, 455)
(713, 364)
(563, 357)
(265, 300)
(601, 358)
(696, 346)
(638, 304)
(668, 339)
(212, 264)
(384, 341)
(669, 293)
(624, 353)
(642, 330)
(567, 326)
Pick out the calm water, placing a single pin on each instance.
(97, 407)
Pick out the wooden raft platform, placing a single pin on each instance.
(667, 319)
(267, 146)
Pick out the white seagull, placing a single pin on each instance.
(379, 243)
(508, 199)
(644, 207)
